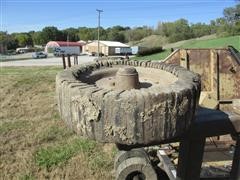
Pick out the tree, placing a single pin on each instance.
(70, 34)
(3, 38)
(114, 35)
(12, 43)
(232, 18)
(213, 26)
(232, 14)
(177, 30)
(86, 34)
(37, 38)
(23, 39)
(200, 29)
(8, 40)
(51, 33)
(138, 33)
(221, 26)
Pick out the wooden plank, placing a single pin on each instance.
(184, 59)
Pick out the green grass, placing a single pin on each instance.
(30, 71)
(53, 133)
(12, 125)
(27, 177)
(214, 43)
(99, 160)
(55, 155)
(196, 43)
(36, 143)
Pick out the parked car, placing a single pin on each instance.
(96, 54)
(39, 55)
(21, 51)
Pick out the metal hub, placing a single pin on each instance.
(127, 78)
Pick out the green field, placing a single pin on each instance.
(196, 43)
(214, 43)
(35, 142)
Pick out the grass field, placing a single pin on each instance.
(35, 143)
(196, 43)
(214, 43)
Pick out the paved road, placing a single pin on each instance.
(50, 61)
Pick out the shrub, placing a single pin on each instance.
(149, 51)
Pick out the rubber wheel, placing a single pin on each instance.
(123, 155)
(135, 168)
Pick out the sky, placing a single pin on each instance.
(27, 15)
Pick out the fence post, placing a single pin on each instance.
(69, 60)
(76, 59)
(63, 60)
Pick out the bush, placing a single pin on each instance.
(149, 51)
(11, 52)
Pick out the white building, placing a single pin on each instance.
(105, 47)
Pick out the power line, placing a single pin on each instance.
(119, 1)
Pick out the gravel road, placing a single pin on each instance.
(50, 61)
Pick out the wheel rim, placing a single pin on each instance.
(136, 175)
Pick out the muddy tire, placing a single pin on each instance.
(141, 117)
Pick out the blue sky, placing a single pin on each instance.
(26, 15)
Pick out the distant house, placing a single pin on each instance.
(105, 47)
(51, 45)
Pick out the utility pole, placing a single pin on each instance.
(99, 11)
(67, 39)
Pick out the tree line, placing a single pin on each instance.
(178, 30)
(227, 25)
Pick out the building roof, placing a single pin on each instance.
(68, 43)
(113, 44)
(63, 43)
(82, 42)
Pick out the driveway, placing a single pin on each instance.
(50, 61)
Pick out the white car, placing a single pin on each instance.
(37, 55)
